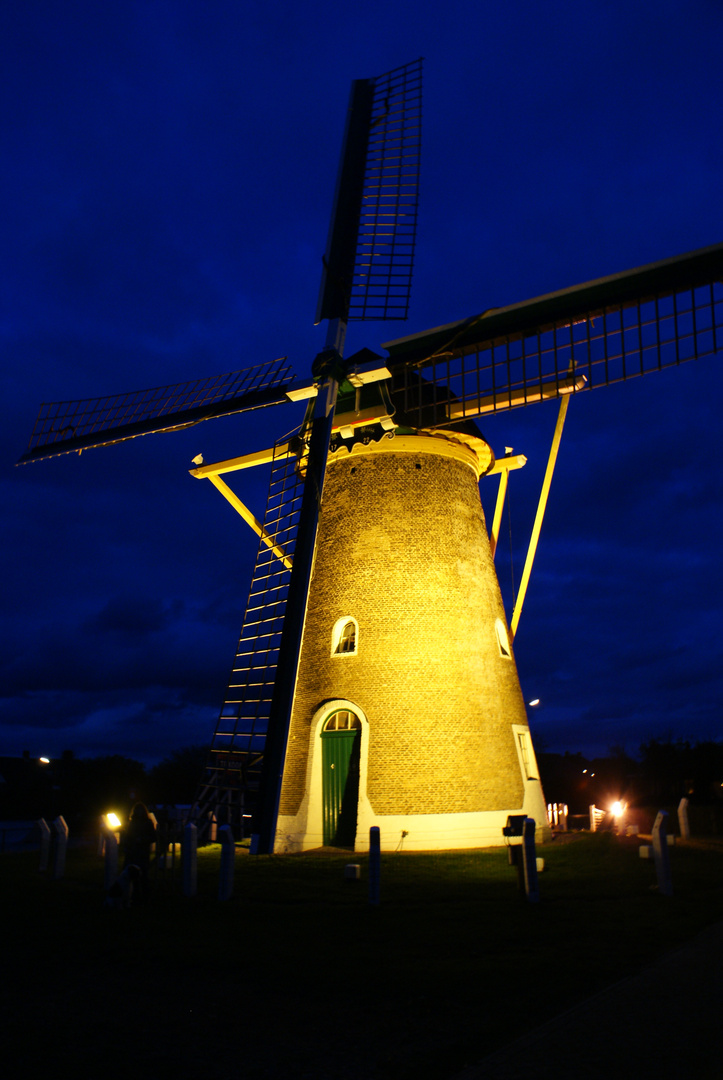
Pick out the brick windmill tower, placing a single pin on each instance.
(375, 682)
(408, 712)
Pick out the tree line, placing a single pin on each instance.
(662, 772)
(85, 788)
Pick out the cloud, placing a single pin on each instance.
(170, 173)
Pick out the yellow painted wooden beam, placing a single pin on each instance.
(507, 463)
(499, 505)
(502, 467)
(249, 518)
(564, 402)
(246, 461)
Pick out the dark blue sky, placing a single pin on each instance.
(168, 171)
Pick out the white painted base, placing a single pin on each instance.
(424, 832)
(402, 832)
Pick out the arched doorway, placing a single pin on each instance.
(340, 751)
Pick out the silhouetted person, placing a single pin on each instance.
(137, 840)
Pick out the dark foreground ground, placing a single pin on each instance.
(663, 1022)
(296, 976)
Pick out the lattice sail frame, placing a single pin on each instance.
(390, 201)
(64, 427)
(370, 251)
(234, 765)
(446, 375)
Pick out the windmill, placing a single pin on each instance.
(374, 682)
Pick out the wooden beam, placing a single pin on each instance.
(564, 402)
(246, 461)
(502, 467)
(507, 463)
(249, 518)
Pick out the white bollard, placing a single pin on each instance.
(110, 862)
(228, 855)
(683, 820)
(44, 845)
(188, 860)
(661, 854)
(61, 847)
(529, 860)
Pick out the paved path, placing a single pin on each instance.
(665, 1022)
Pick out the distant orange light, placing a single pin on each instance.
(617, 809)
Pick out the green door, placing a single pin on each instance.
(340, 745)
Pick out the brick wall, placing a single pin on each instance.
(402, 547)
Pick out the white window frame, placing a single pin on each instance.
(337, 631)
(503, 640)
(525, 752)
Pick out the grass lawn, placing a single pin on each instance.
(296, 976)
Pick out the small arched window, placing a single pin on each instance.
(343, 720)
(345, 637)
(503, 641)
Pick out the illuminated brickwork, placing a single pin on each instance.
(402, 548)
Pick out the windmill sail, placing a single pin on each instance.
(595, 334)
(370, 253)
(367, 274)
(63, 427)
(233, 771)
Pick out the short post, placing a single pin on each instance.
(61, 847)
(375, 861)
(44, 845)
(661, 853)
(228, 855)
(110, 862)
(188, 860)
(683, 819)
(529, 859)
